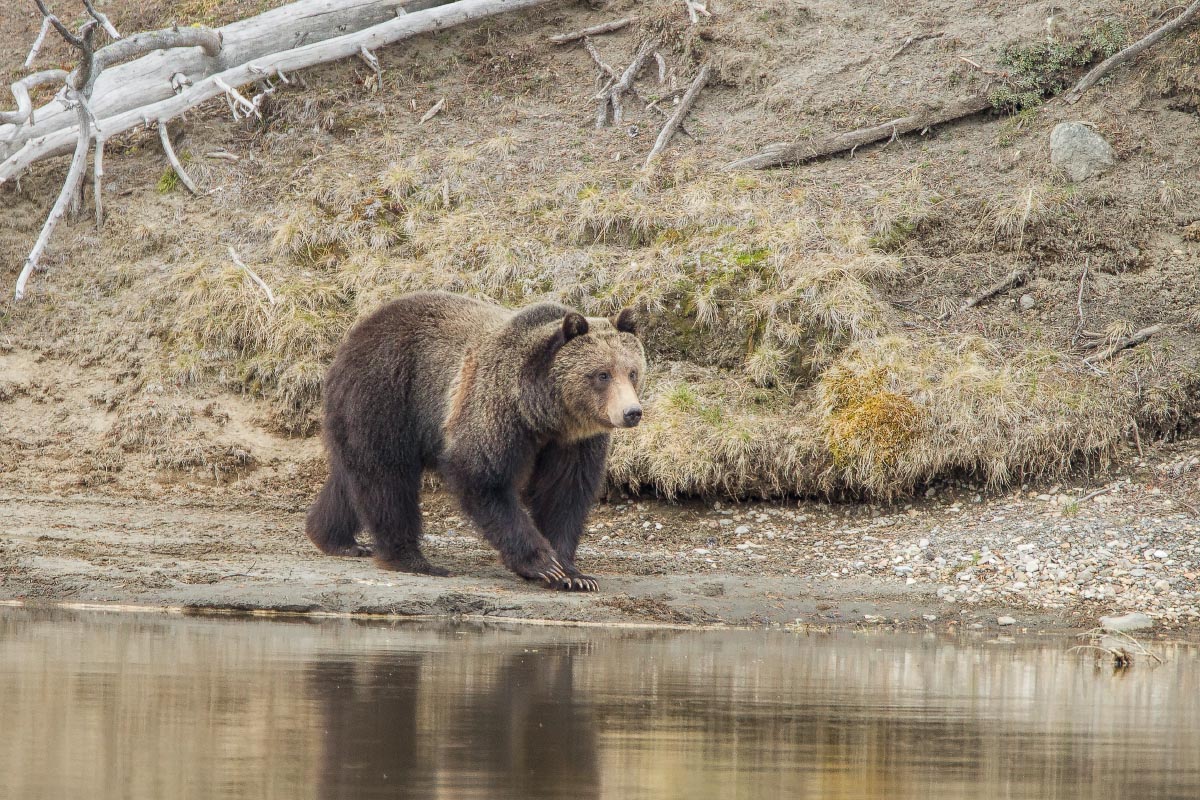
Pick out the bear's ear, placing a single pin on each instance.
(627, 321)
(574, 324)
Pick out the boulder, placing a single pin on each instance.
(1080, 151)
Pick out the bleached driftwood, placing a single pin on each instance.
(176, 165)
(148, 79)
(1116, 347)
(252, 275)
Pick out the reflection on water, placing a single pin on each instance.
(105, 705)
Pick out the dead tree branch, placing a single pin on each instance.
(109, 28)
(615, 94)
(176, 165)
(695, 10)
(1137, 48)
(1116, 347)
(595, 30)
(74, 180)
(999, 287)
(676, 119)
(785, 153)
(37, 43)
(20, 92)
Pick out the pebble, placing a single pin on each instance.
(1005, 621)
(741, 530)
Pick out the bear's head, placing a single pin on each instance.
(599, 372)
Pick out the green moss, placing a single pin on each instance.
(167, 181)
(1039, 70)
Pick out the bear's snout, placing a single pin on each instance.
(632, 416)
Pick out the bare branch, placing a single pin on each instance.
(253, 276)
(20, 92)
(139, 44)
(800, 152)
(595, 30)
(1134, 50)
(695, 9)
(676, 119)
(37, 43)
(184, 178)
(109, 28)
(1015, 278)
(69, 189)
(433, 112)
(627, 78)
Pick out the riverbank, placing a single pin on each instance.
(1049, 557)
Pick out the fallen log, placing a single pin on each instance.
(149, 78)
(785, 153)
(214, 85)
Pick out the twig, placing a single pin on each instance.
(695, 9)
(662, 67)
(1015, 278)
(433, 112)
(1135, 49)
(777, 155)
(372, 62)
(981, 68)
(236, 97)
(1098, 492)
(676, 119)
(38, 42)
(69, 190)
(174, 159)
(253, 276)
(224, 155)
(1116, 347)
(916, 37)
(1079, 300)
(595, 30)
(627, 78)
(109, 28)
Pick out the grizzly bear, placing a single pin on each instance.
(512, 408)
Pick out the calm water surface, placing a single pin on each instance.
(108, 705)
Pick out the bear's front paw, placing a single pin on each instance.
(543, 565)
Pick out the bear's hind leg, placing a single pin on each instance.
(391, 509)
(331, 522)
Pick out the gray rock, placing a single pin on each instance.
(1080, 151)
(1006, 621)
(741, 530)
(1027, 302)
(1134, 621)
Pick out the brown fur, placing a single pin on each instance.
(514, 409)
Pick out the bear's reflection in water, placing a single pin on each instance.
(404, 724)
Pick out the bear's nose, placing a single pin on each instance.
(633, 415)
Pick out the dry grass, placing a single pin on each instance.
(780, 367)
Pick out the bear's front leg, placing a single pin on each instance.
(561, 492)
(498, 515)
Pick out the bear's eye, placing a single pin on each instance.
(603, 377)
(633, 376)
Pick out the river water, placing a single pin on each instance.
(137, 705)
